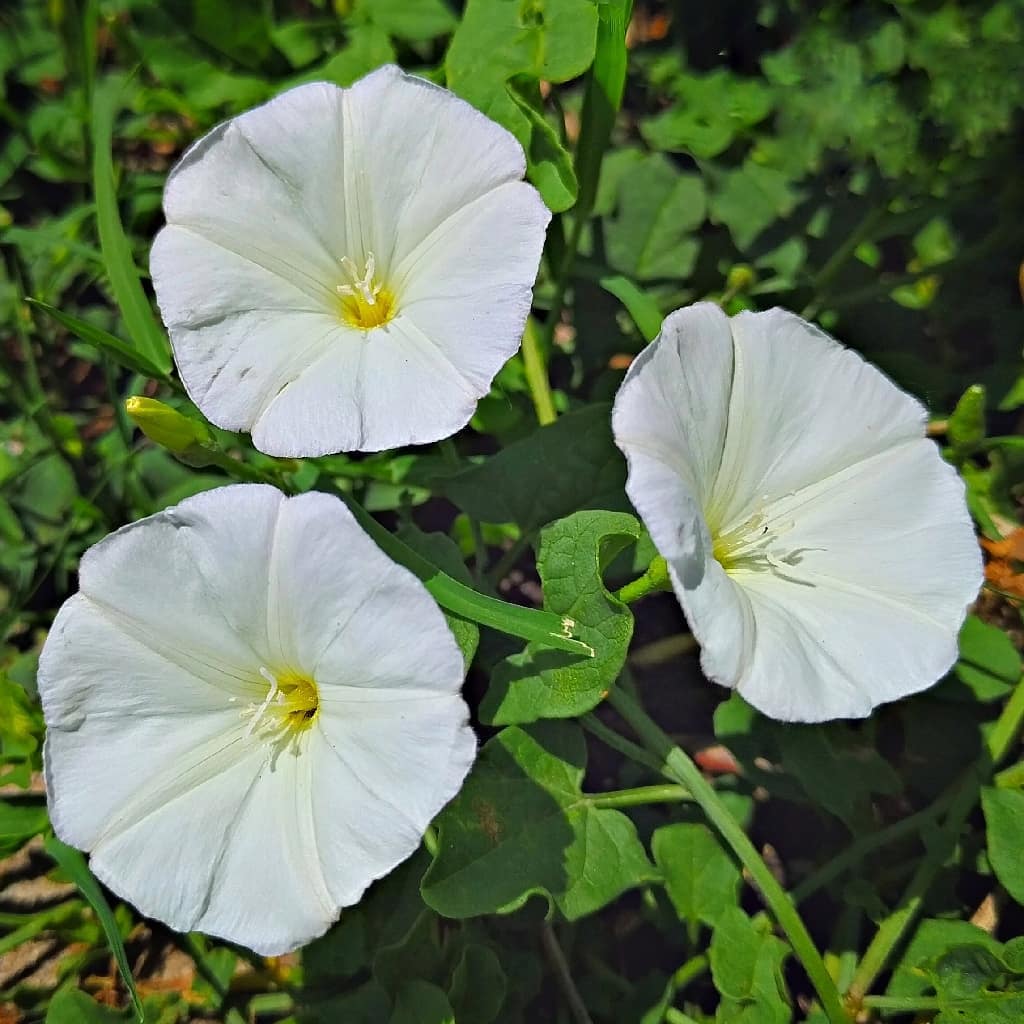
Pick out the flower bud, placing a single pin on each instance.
(167, 427)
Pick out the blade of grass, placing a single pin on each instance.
(118, 350)
(73, 864)
(147, 336)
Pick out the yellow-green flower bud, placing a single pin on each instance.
(167, 427)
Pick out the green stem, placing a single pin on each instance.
(902, 1004)
(838, 260)
(674, 1016)
(661, 794)
(507, 561)
(612, 739)
(534, 347)
(559, 964)
(1012, 777)
(963, 798)
(653, 580)
(678, 766)
(867, 845)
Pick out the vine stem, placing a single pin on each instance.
(536, 369)
(666, 793)
(653, 580)
(678, 766)
(556, 958)
(892, 930)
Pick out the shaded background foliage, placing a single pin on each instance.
(854, 161)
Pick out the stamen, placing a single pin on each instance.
(290, 706)
(366, 302)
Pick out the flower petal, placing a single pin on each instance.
(802, 407)
(867, 606)
(381, 779)
(669, 420)
(257, 186)
(245, 865)
(343, 612)
(416, 154)
(112, 701)
(186, 583)
(390, 387)
(240, 332)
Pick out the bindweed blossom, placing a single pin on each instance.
(252, 713)
(820, 547)
(347, 269)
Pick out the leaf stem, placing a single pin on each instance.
(677, 765)
(612, 739)
(535, 364)
(660, 794)
(963, 798)
(866, 845)
(556, 958)
(653, 580)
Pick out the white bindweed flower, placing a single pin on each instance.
(347, 269)
(252, 713)
(819, 545)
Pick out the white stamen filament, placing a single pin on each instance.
(364, 286)
(258, 711)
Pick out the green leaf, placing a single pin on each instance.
(569, 465)
(548, 163)
(1004, 829)
(701, 879)
(932, 938)
(651, 234)
(602, 98)
(711, 112)
(419, 1002)
(837, 771)
(147, 336)
(529, 41)
(746, 965)
(478, 985)
(538, 683)
(750, 198)
(120, 351)
(413, 20)
(640, 305)
(989, 663)
(979, 985)
(72, 1006)
(20, 821)
(966, 425)
(73, 864)
(462, 601)
(521, 826)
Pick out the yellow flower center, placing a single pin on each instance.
(365, 302)
(290, 706)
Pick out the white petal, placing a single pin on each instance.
(802, 408)
(269, 890)
(381, 778)
(190, 582)
(390, 387)
(867, 606)
(111, 702)
(416, 154)
(342, 611)
(669, 420)
(240, 332)
(226, 847)
(267, 186)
